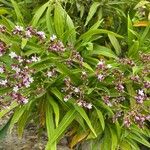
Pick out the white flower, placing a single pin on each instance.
(41, 34)
(20, 59)
(1, 70)
(15, 68)
(3, 82)
(141, 92)
(19, 28)
(12, 55)
(15, 89)
(100, 77)
(89, 106)
(76, 90)
(100, 63)
(53, 37)
(31, 79)
(27, 84)
(25, 100)
(109, 66)
(28, 34)
(49, 74)
(35, 59)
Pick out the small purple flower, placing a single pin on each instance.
(135, 78)
(127, 122)
(56, 46)
(101, 64)
(120, 87)
(2, 69)
(41, 35)
(147, 84)
(100, 77)
(140, 97)
(107, 100)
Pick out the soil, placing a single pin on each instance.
(29, 141)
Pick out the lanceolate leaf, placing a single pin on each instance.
(17, 11)
(115, 43)
(86, 118)
(49, 21)
(101, 118)
(92, 11)
(65, 122)
(55, 109)
(6, 110)
(39, 13)
(50, 128)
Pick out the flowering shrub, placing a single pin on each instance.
(77, 87)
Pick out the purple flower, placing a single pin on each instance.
(120, 87)
(100, 77)
(140, 97)
(101, 64)
(41, 35)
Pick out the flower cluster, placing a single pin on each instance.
(102, 70)
(127, 61)
(140, 97)
(83, 103)
(135, 117)
(28, 32)
(145, 57)
(55, 45)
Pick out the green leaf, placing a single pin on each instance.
(92, 11)
(115, 44)
(22, 122)
(133, 50)
(6, 110)
(130, 34)
(50, 128)
(139, 138)
(24, 42)
(114, 139)
(92, 32)
(86, 118)
(101, 118)
(3, 131)
(49, 20)
(17, 11)
(125, 146)
(141, 3)
(104, 51)
(39, 13)
(16, 116)
(59, 19)
(87, 66)
(56, 92)
(106, 141)
(65, 122)
(55, 108)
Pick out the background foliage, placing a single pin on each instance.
(105, 37)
